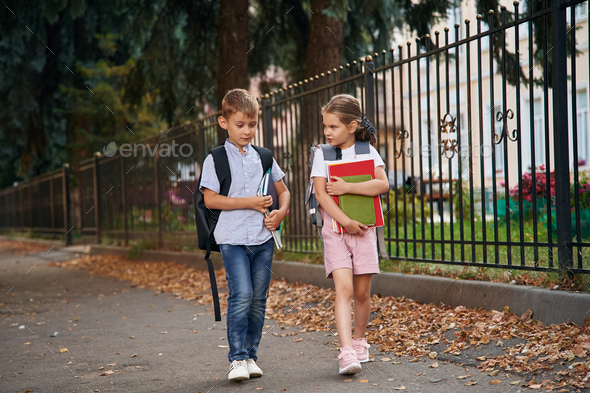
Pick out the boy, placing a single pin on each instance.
(242, 231)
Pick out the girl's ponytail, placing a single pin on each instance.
(366, 131)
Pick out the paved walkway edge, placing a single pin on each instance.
(548, 306)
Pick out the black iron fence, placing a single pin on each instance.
(484, 130)
(41, 205)
(144, 191)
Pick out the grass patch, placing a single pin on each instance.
(138, 248)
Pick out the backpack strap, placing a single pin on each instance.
(222, 170)
(329, 152)
(265, 156)
(362, 147)
(224, 176)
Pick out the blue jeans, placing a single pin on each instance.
(247, 269)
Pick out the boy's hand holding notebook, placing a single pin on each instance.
(267, 187)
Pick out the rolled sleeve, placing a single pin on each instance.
(277, 173)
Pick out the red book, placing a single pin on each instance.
(353, 168)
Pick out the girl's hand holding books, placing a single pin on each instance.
(337, 186)
(354, 227)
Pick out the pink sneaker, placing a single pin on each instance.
(348, 362)
(362, 349)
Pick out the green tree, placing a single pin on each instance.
(42, 46)
(103, 116)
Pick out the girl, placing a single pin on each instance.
(352, 258)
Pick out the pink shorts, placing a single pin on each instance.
(355, 252)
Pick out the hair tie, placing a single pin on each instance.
(368, 125)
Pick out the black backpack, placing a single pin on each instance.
(206, 219)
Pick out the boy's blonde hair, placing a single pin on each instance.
(239, 100)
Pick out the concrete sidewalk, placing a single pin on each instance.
(549, 306)
(64, 330)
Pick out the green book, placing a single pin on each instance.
(358, 207)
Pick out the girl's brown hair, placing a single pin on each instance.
(348, 109)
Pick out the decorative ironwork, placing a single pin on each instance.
(402, 136)
(448, 147)
(504, 117)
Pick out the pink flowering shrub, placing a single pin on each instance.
(541, 187)
(583, 195)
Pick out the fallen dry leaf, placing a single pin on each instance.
(400, 388)
(471, 383)
(528, 314)
(22, 248)
(108, 372)
(402, 327)
(63, 350)
(363, 380)
(433, 365)
(463, 376)
(495, 381)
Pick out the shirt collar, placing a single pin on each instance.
(233, 147)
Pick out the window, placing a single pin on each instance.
(454, 18)
(581, 11)
(488, 145)
(499, 148)
(539, 124)
(582, 125)
(430, 147)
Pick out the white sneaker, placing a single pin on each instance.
(253, 369)
(238, 371)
